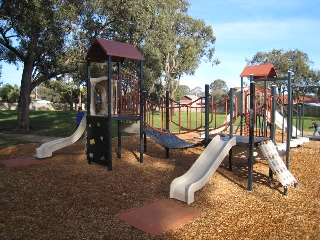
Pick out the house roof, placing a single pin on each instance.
(310, 99)
(191, 97)
(260, 71)
(101, 49)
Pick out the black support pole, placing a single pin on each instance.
(143, 125)
(141, 111)
(273, 113)
(109, 115)
(273, 119)
(119, 122)
(289, 127)
(206, 116)
(167, 119)
(265, 109)
(231, 110)
(289, 121)
(241, 108)
(251, 132)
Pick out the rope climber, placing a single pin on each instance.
(167, 140)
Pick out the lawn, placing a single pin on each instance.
(62, 123)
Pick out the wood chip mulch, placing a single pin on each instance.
(65, 198)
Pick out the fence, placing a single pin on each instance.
(312, 111)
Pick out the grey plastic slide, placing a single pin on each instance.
(184, 187)
(46, 149)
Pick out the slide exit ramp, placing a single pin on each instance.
(276, 164)
(46, 149)
(184, 187)
(282, 123)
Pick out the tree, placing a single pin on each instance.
(178, 43)
(1, 82)
(54, 41)
(219, 90)
(294, 60)
(35, 34)
(182, 90)
(9, 93)
(197, 91)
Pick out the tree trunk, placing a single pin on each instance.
(80, 98)
(23, 121)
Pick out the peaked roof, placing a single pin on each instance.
(191, 97)
(259, 71)
(310, 99)
(100, 50)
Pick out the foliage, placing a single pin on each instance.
(9, 93)
(53, 43)
(219, 90)
(292, 60)
(178, 43)
(1, 82)
(181, 91)
(35, 33)
(197, 91)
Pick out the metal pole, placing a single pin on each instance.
(289, 121)
(109, 115)
(167, 119)
(141, 111)
(241, 107)
(289, 127)
(273, 119)
(119, 132)
(251, 132)
(265, 109)
(231, 110)
(206, 115)
(273, 113)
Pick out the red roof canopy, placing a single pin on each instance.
(260, 71)
(101, 49)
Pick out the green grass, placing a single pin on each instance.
(62, 123)
(45, 123)
(186, 120)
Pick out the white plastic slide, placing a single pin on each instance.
(298, 141)
(283, 124)
(46, 149)
(130, 127)
(219, 129)
(184, 187)
(276, 164)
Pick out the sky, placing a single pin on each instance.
(242, 28)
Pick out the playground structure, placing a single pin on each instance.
(120, 98)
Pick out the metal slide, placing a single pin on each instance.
(46, 149)
(184, 187)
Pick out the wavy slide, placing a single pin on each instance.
(184, 187)
(46, 149)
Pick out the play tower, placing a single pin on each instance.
(113, 98)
